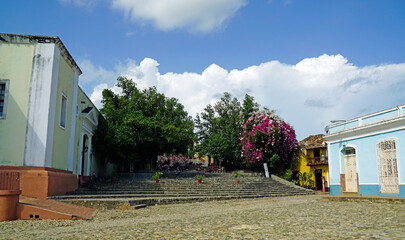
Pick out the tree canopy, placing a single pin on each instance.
(141, 124)
(218, 129)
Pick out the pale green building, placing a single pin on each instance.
(46, 120)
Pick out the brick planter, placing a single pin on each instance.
(8, 204)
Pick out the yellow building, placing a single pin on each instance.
(314, 161)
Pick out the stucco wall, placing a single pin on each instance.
(302, 164)
(366, 153)
(379, 117)
(15, 66)
(60, 149)
(344, 126)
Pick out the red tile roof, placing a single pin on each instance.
(313, 141)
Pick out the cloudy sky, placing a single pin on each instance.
(312, 61)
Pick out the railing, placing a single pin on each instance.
(9, 181)
(317, 161)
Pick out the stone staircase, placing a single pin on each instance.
(220, 186)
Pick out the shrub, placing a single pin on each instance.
(157, 175)
(268, 139)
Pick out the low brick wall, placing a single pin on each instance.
(41, 182)
(9, 180)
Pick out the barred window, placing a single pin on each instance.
(387, 166)
(3, 97)
(63, 107)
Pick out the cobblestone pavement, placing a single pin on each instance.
(298, 217)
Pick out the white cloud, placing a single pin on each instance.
(92, 73)
(195, 15)
(308, 95)
(146, 73)
(97, 94)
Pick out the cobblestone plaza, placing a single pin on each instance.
(298, 217)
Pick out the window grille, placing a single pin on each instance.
(2, 98)
(387, 166)
(63, 111)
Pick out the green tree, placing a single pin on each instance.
(141, 124)
(219, 128)
(249, 106)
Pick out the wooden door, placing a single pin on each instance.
(351, 172)
(318, 179)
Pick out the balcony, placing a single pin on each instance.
(314, 161)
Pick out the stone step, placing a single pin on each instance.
(87, 197)
(170, 195)
(111, 203)
(138, 206)
(240, 192)
(204, 186)
(147, 192)
(185, 188)
(183, 192)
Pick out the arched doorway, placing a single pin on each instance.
(350, 164)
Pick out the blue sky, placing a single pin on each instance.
(312, 61)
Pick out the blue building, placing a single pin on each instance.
(367, 154)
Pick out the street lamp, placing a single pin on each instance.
(333, 121)
(336, 121)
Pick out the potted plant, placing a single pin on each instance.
(199, 178)
(113, 177)
(236, 175)
(157, 176)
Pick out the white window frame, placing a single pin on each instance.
(7, 83)
(63, 111)
(388, 183)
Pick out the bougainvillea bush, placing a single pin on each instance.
(268, 139)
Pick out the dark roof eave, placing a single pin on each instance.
(313, 147)
(7, 37)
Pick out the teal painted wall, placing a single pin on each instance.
(381, 116)
(366, 152)
(344, 126)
